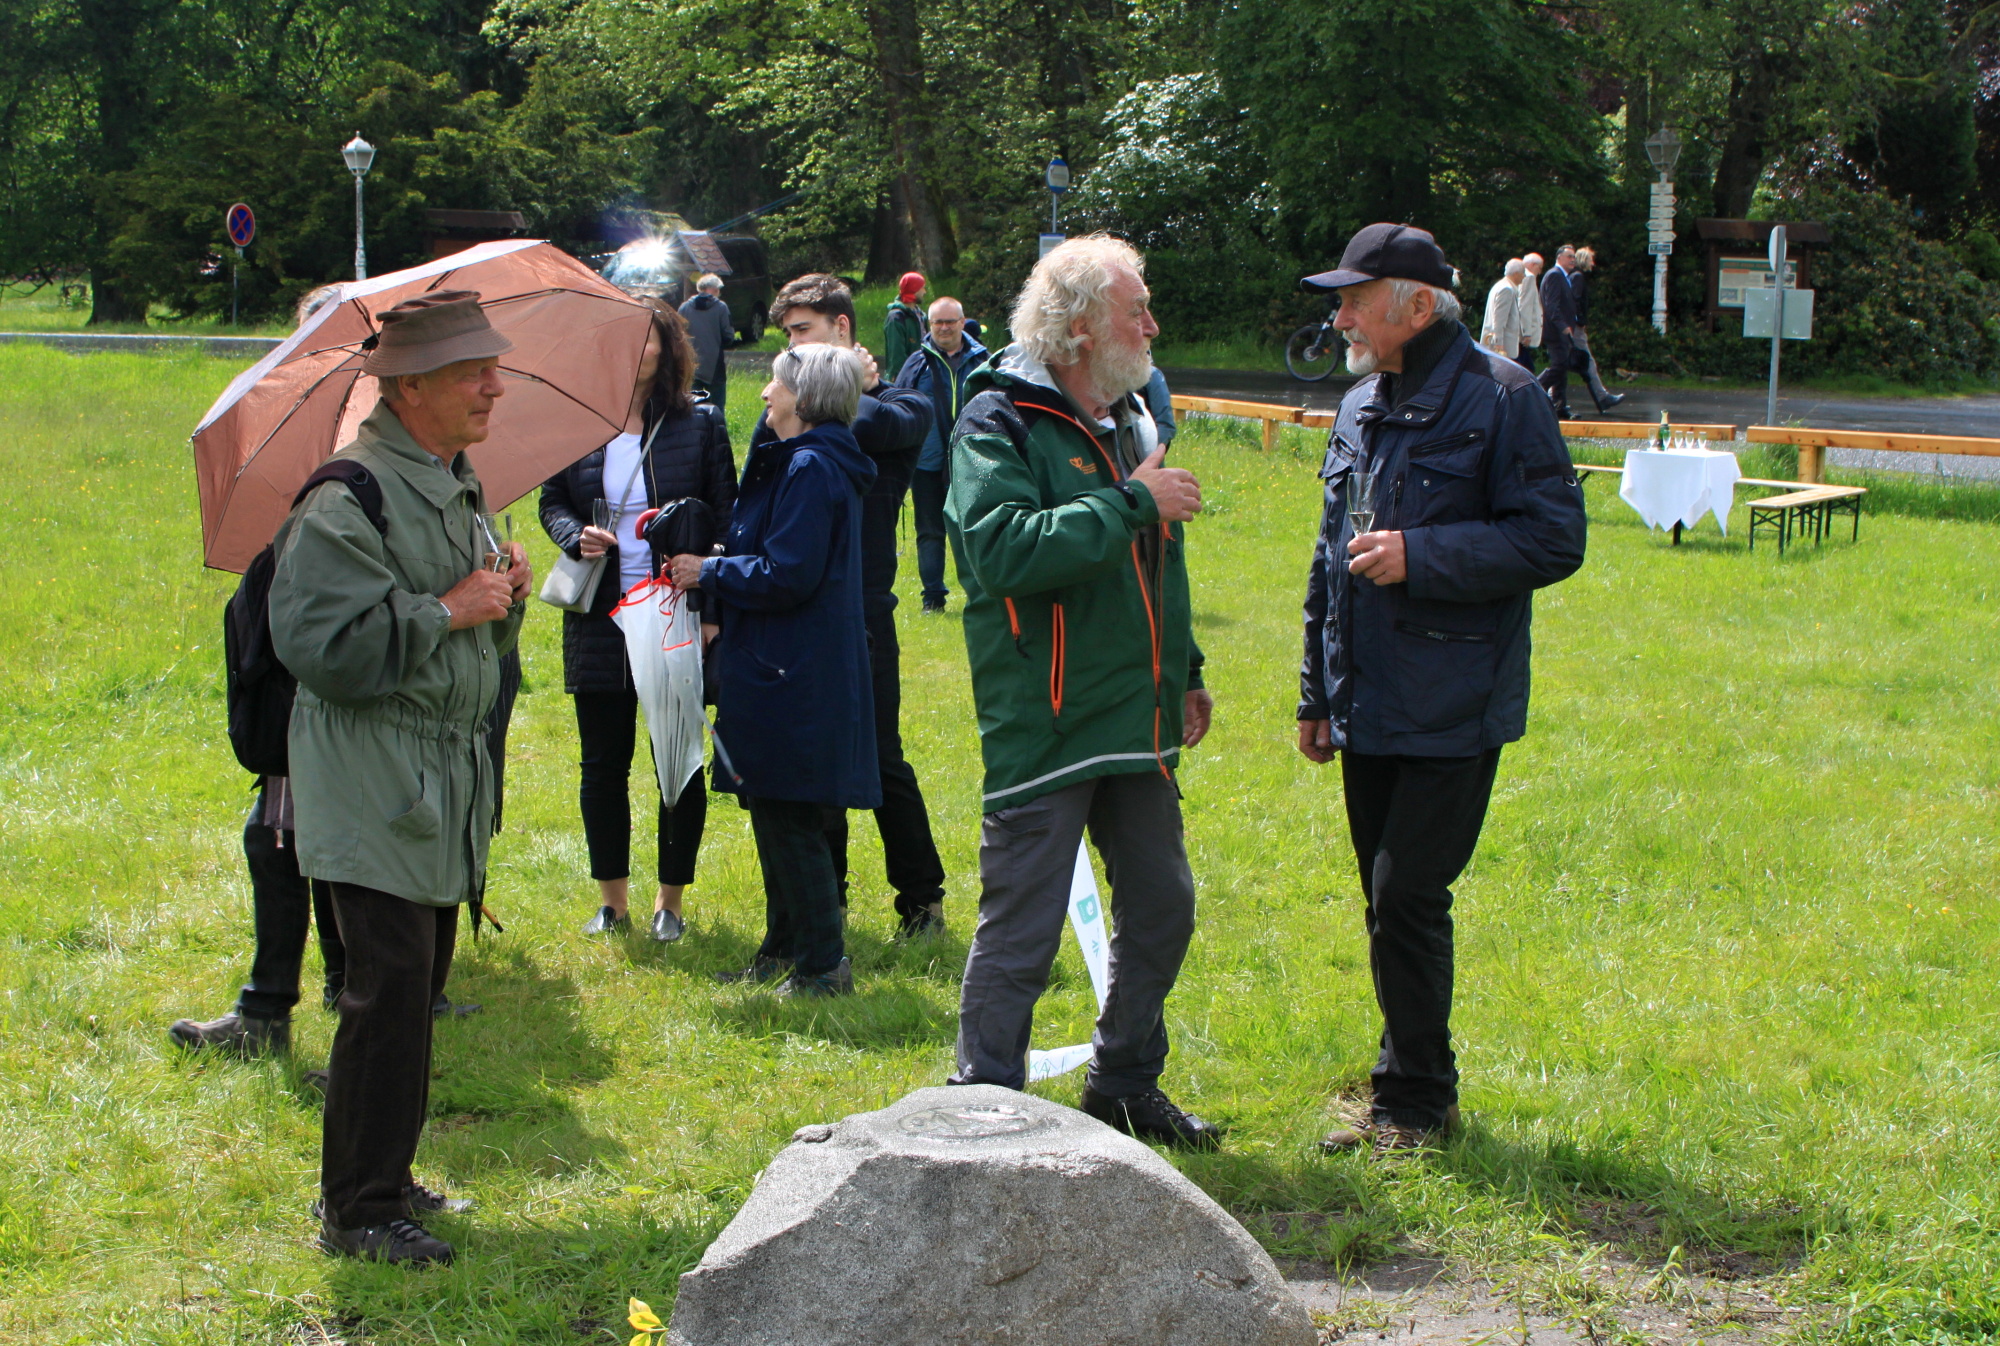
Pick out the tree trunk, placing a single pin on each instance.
(906, 96)
(114, 28)
(1746, 149)
(889, 238)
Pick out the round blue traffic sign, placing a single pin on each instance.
(241, 223)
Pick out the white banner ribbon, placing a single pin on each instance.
(1086, 918)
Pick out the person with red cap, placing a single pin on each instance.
(905, 327)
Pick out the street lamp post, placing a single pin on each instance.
(1663, 149)
(359, 155)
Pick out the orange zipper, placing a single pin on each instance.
(1057, 659)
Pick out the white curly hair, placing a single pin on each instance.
(1068, 285)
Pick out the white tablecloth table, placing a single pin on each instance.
(1680, 485)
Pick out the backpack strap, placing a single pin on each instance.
(367, 490)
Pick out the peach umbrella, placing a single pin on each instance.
(578, 340)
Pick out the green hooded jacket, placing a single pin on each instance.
(390, 775)
(1076, 596)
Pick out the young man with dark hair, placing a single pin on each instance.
(890, 429)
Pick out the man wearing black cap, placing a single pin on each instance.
(396, 632)
(1449, 499)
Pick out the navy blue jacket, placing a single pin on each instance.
(795, 706)
(1559, 308)
(890, 429)
(929, 372)
(1472, 468)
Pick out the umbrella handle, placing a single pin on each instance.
(639, 528)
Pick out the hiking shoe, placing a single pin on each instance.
(1388, 1137)
(402, 1242)
(234, 1032)
(608, 922)
(445, 1005)
(838, 981)
(933, 607)
(762, 970)
(1152, 1116)
(924, 921)
(667, 926)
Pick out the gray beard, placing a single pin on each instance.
(1117, 375)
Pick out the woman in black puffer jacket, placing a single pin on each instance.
(673, 446)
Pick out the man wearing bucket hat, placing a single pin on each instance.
(396, 636)
(1449, 499)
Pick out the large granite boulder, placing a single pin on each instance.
(980, 1215)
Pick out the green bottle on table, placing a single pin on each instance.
(1661, 440)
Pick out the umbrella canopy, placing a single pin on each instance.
(577, 338)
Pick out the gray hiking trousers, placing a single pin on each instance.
(1026, 857)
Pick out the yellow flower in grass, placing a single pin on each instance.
(640, 1314)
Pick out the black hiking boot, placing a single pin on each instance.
(400, 1242)
(234, 1032)
(925, 920)
(838, 980)
(1152, 1116)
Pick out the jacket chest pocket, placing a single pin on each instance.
(1335, 473)
(425, 572)
(1446, 480)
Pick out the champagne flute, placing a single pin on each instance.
(1361, 501)
(496, 556)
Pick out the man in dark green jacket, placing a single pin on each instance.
(396, 637)
(1067, 528)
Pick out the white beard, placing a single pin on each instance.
(1121, 372)
(1362, 359)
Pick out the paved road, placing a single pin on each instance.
(1969, 415)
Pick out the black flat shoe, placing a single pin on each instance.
(1152, 1116)
(608, 922)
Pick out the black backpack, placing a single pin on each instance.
(260, 688)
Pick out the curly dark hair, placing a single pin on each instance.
(673, 384)
(823, 294)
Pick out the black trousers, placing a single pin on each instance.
(607, 729)
(801, 894)
(284, 905)
(379, 1072)
(1562, 356)
(909, 853)
(1414, 822)
(927, 492)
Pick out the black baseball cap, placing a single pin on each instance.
(1385, 251)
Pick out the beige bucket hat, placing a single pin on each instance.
(430, 332)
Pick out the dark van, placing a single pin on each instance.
(747, 289)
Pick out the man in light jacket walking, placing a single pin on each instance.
(1531, 310)
(396, 637)
(1416, 632)
(1501, 331)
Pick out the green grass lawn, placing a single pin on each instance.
(1727, 948)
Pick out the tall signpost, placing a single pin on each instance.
(359, 154)
(1663, 150)
(241, 223)
(1058, 180)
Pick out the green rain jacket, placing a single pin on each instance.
(390, 775)
(1076, 596)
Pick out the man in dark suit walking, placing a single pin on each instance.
(1559, 324)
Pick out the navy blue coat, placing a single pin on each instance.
(795, 707)
(930, 373)
(890, 428)
(1473, 470)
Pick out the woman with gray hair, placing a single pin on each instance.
(795, 709)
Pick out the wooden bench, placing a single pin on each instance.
(1812, 508)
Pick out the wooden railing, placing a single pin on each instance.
(1812, 443)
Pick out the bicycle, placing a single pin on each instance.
(1313, 351)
